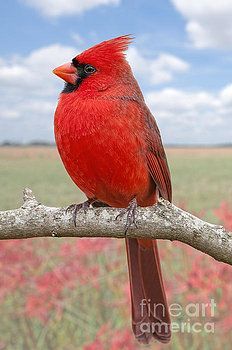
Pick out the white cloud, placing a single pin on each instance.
(56, 8)
(174, 100)
(29, 92)
(226, 96)
(197, 116)
(34, 70)
(209, 22)
(156, 70)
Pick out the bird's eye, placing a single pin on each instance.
(89, 69)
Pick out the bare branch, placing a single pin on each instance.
(163, 221)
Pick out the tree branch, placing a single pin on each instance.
(163, 221)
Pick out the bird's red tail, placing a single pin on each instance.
(150, 315)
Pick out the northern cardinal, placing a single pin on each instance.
(111, 147)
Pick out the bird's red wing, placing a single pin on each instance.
(156, 158)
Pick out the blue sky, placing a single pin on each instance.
(181, 56)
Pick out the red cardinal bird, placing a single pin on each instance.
(111, 147)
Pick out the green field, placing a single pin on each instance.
(202, 180)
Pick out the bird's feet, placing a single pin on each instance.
(75, 208)
(130, 211)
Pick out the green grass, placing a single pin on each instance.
(201, 179)
(42, 171)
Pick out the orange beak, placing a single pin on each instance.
(67, 72)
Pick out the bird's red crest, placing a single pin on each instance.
(113, 49)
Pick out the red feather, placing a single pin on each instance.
(111, 147)
(113, 49)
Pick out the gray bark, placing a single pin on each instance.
(163, 221)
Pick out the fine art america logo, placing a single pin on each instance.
(192, 318)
